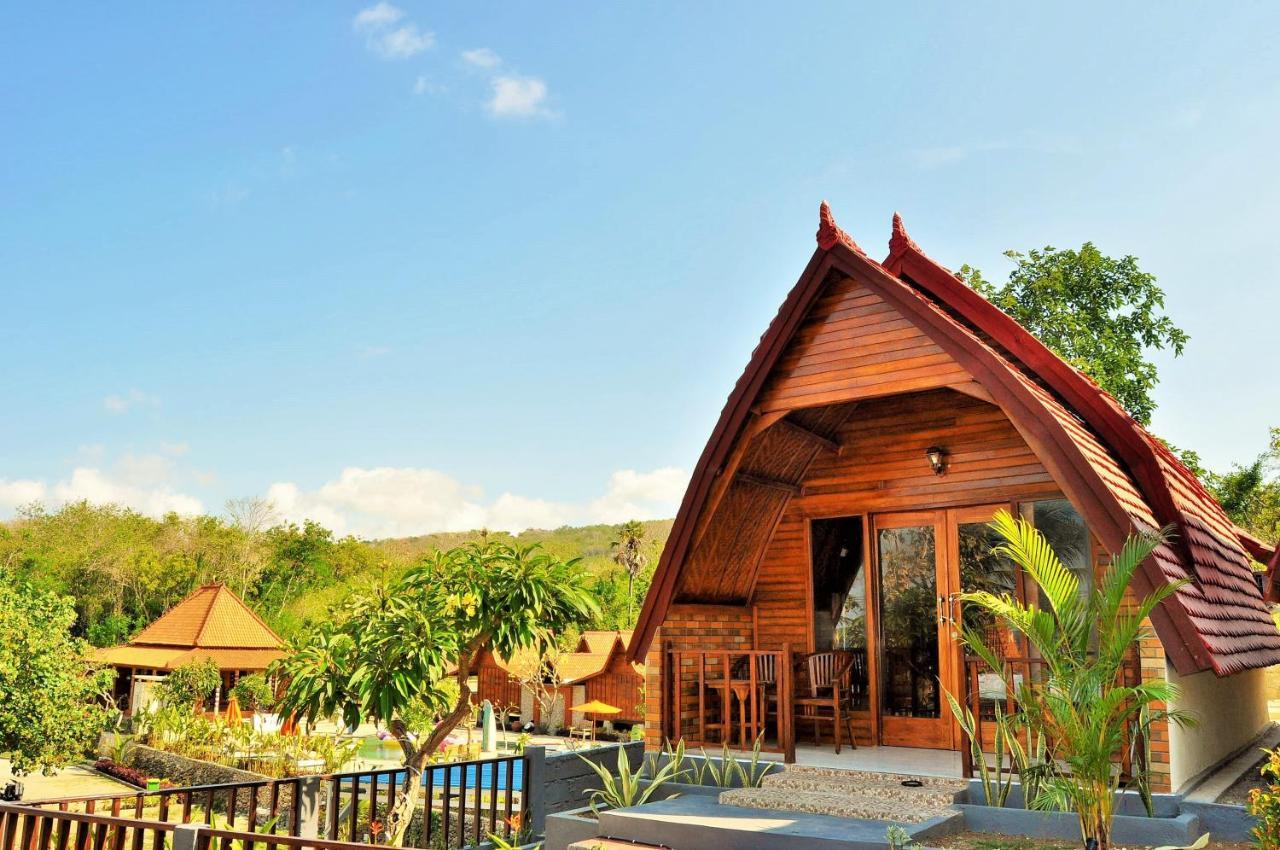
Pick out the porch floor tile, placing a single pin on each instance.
(908, 760)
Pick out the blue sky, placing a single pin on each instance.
(428, 265)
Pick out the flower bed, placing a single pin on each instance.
(128, 774)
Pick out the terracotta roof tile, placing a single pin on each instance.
(210, 623)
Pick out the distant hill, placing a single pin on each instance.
(591, 543)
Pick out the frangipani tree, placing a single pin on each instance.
(385, 651)
(1082, 703)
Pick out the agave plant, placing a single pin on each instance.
(625, 789)
(1082, 705)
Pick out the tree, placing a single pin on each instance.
(52, 697)
(540, 676)
(189, 685)
(251, 518)
(1100, 314)
(1082, 705)
(385, 650)
(628, 553)
(1250, 493)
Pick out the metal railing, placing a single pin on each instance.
(462, 803)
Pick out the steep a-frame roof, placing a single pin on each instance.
(1117, 474)
(210, 623)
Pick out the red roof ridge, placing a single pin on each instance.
(900, 240)
(830, 234)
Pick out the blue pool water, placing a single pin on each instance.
(489, 775)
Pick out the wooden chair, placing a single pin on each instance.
(829, 699)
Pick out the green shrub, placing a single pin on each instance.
(255, 693)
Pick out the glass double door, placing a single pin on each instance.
(924, 561)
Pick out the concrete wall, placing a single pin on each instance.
(1231, 711)
(568, 778)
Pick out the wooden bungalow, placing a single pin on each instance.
(597, 670)
(841, 505)
(210, 623)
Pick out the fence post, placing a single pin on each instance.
(308, 808)
(534, 788)
(186, 836)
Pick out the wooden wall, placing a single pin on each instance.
(619, 685)
(882, 467)
(854, 345)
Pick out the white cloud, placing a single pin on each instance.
(425, 85)
(517, 97)
(481, 57)
(377, 17)
(118, 404)
(147, 482)
(369, 352)
(403, 501)
(20, 492)
(634, 495)
(389, 35)
(97, 487)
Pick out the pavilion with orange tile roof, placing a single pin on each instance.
(213, 622)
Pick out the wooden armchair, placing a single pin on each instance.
(828, 699)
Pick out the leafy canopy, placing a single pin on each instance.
(1250, 493)
(190, 684)
(385, 649)
(51, 695)
(1100, 314)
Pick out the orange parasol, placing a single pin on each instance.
(234, 717)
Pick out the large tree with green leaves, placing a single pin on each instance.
(386, 651)
(1101, 314)
(52, 697)
(1250, 493)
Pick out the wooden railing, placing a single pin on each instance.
(985, 689)
(463, 803)
(730, 696)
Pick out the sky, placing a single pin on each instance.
(427, 266)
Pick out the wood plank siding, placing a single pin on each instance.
(882, 467)
(854, 345)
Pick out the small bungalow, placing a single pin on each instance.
(210, 623)
(841, 506)
(598, 669)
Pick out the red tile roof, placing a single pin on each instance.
(210, 623)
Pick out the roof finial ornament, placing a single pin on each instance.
(900, 241)
(829, 233)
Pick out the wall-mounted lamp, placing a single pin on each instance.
(937, 459)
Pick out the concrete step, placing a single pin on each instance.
(840, 804)
(930, 795)
(610, 844)
(698, 822)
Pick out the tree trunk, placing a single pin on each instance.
(416, 759)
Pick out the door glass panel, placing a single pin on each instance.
(1068, 536)
(981, 569)
(909, 617)
(840, 598)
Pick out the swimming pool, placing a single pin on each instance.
(491, 775)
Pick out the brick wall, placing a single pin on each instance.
(692, 627)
